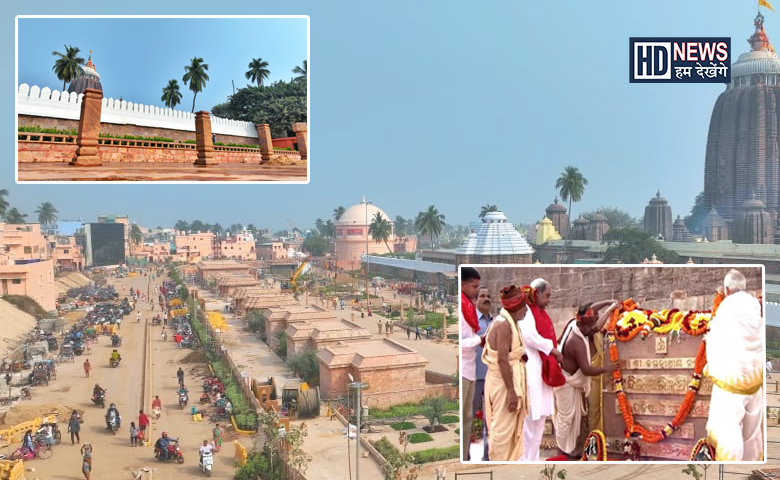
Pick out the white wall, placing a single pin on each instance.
(47, 103)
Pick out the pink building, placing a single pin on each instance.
(271, 251)
(239, 247)
(194, 247)
(352, 236)
(67, 254)
(26, 266)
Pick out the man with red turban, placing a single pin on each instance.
(505, 383)
(469, 341)
(543, 371)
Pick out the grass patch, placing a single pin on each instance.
(449, 419)
(385, 448)
(409, 409)
(420, 437)
(457, 431)
(27, 305)
(436, 454)
(56, 131)
(403, 426)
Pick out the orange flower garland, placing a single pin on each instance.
(617, 375)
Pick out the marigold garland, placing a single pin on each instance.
(601, 446)
(694, 324)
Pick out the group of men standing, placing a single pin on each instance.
(514, 366)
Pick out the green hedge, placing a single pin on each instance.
(436, 454)
(410, 409)
(57, 131)
(420, 437)
(384, 447)
(403, 426)
(449, 419)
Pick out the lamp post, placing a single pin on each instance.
(358, 386)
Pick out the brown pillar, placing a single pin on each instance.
(89, 129)
(265, 143)
(203, 140)
(303, 139)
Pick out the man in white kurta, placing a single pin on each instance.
(541, 402)
(735, 364)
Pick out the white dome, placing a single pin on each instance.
(90, 72)
(356, 215)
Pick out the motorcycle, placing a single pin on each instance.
(204, 398)
(100, 400)
(113, 422)
(183, 399)
(206, 463)
(174, 452)
(114, 363)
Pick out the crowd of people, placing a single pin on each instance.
(518, 373)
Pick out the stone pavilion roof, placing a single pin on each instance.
(495, 236)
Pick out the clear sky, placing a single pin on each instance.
(456, 104)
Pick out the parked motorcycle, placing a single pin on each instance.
(174, 452)
(206, 463)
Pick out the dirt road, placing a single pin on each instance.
(113, 456)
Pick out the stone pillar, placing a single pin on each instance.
(203, 140)
(303, 139)
(265, 143)
(89, 129)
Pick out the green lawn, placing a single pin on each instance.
(450, 419)
(403, 426)
(420, 437)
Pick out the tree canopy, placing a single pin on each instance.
(317, 245)
(430, 222)
(630, 245)
(616, 218)
(380, 230)
(279, 105)
(171, 95)
(68, 66)
(47, 214)
(258, 71)
(196, 77)
(698, 211)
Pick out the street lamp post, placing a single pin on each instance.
(358, 386)
(368, 299)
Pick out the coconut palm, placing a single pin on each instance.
(302, 72)
(429, 222)
(68, 66)
(196, 76)
(171, 95)
(47, 214)
(217, 229)
(380, 230)
(486, 209)
(135, 234)
(3, 202)
(257, 71)
(338, 212)
(401, 226)
(14, 216)
(571, 185)
(181, 226)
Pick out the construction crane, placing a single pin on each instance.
(292, 285)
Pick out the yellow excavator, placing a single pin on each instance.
(291, 285)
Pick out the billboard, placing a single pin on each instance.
(105, 244)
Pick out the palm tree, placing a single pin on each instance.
(301, 72)
(3, 202)
(486, 209)
(181, 226)
(135, 234)
(68, 66)
(196, 76)
(338, 212)
(47, 214)
(257, 71)
(401, 226)
(14, 216)
(571, 185)
(380, 230)
(171, 95)
(430, 222)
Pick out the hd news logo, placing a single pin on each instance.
(680, 60)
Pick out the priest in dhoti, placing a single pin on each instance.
(570, 399)
(505, 383)
(735, 364)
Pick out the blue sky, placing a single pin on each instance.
(420, 103)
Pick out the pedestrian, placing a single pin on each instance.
(213, 138)
(178, 339)
(143, 421)
(119, 323)
(74, 427)
(8, 379)
(408, 333)
(378, 326)
(387, 329)
(417, 333)
(180, 376)
(133, 435)
(48, 435)
(86, 460)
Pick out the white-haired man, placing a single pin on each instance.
(542, 369)
(735, 363)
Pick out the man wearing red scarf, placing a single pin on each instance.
(542, 368)
(469, 341)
